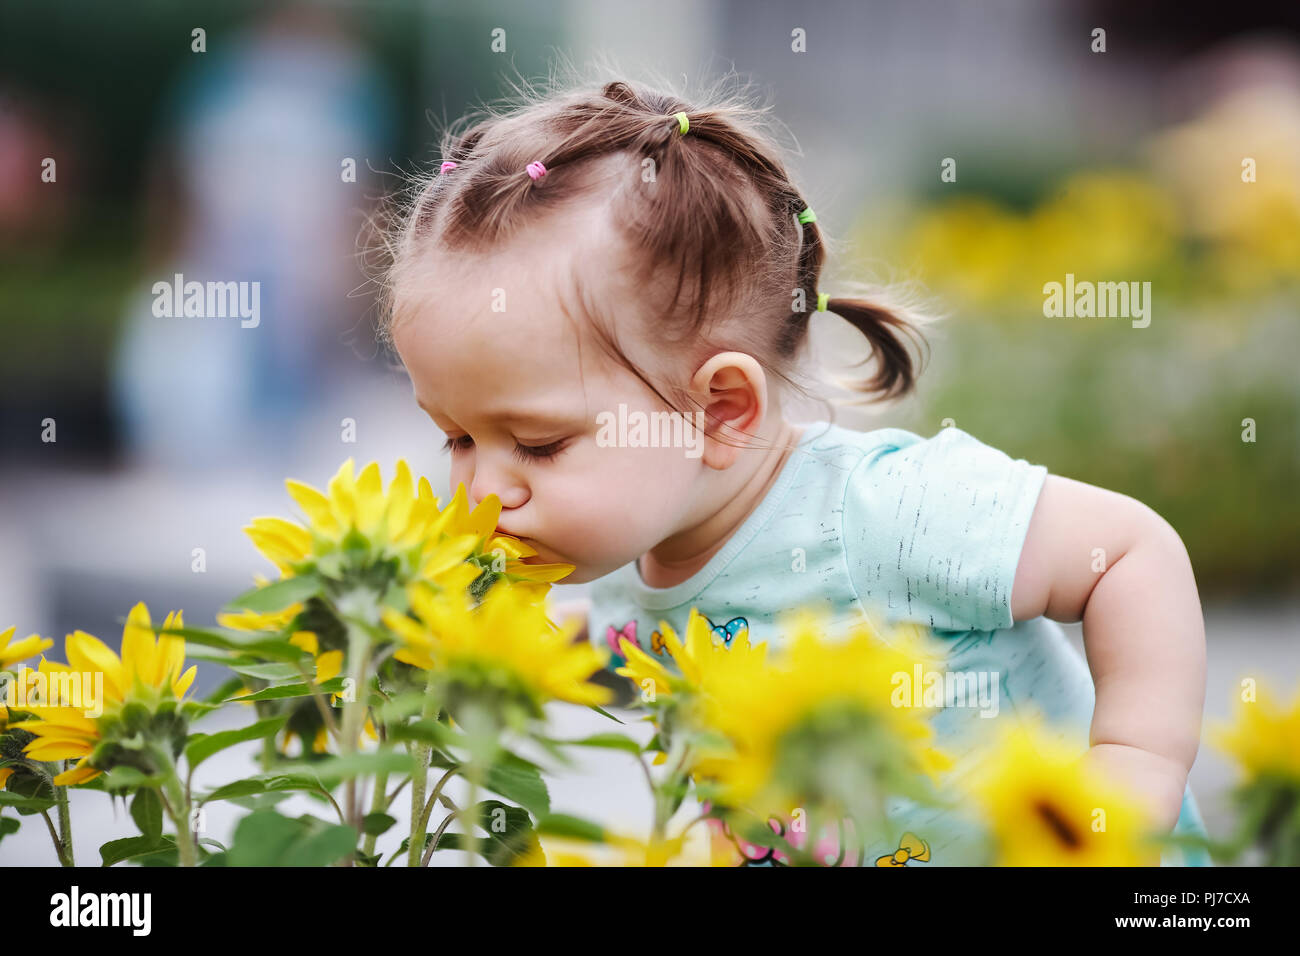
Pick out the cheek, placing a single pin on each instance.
(609, 490)
(459, 472)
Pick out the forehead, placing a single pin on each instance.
(510, 330)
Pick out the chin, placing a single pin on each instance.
(579, 575)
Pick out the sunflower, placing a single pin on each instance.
(11, 654)
(142, 690)
(617, 850)
(501, 553)
(692, 657)
(1045, 808)
(29, 646)
(504, 651)
(328, 666)
(815, 725)
(1265, 739)
(244, 620)
(357, 523)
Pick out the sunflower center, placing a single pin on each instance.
(1058, 824)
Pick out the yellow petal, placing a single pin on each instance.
(343, 498)
(171, 652)
(78, 774)
(370, 497)
(401, 500)
(307, 640)
(29, 646)
(88, 653)
(41, 749)
(138, 650)
(315, 506)
(183, 682)
(328, 666)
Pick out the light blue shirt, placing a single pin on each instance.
(894, 528)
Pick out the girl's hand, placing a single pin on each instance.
(1155, 782)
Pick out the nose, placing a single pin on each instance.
(487, 480)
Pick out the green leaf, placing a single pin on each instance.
(501, 847)
(19, 802)
(228, 687)
(521, 781)
(277, 671)
(288, 691)
(609, 741)
(147, 812)
(8, 825)
(278, 595)
(124, 778)
(243, 641)
(318, 775)
(401, 706)
(334, 770)
(328, 846)
(565, 825)
(224, 658)
(377, 824)
(428, 730)
(202, 746)
(115, 851)
(605, 713)
(268, 838)
(262, 784)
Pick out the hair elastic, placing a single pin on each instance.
(683, 124)
(823, 298)
(807, 215)
(536, 170)
(446, 166)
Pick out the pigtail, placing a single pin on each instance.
(893, 332)
(893, 336)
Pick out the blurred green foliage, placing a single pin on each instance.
(1155, 413)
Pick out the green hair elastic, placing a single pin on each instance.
(807, 215)
(683, 124)
(822, 299)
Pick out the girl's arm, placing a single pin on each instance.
(1110, 561)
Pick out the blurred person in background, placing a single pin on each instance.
(249, 187)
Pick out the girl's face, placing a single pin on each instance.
(502, 364)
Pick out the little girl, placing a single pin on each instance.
(585, 273)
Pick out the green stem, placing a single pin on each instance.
(65, 823)
(54, 838)
(178, 806)
(420, 779)
(471, 832)
(378, 805)
(358, 649)
(662, 796)
(433, 798)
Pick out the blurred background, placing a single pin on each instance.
(134, 447)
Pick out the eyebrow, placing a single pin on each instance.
(524, 416)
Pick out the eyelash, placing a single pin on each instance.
(524, 453)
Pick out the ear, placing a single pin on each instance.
(732, 389)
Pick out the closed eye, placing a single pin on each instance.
(524, 453)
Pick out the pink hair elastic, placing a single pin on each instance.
(446, 166)
(536, 170)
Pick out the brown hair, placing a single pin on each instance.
(718, 217)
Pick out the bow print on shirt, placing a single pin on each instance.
(910, 847)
